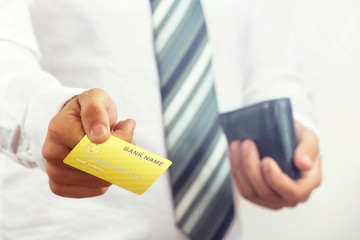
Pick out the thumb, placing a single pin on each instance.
(125, 130)
(98, 113)
(307, 149)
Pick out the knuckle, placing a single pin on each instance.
(92, 108)
(292, 205)
(48, 153)
(53, 152)
(55, 128)
(45, 152)
(294, 196)
(265, 194)
(56, 188)
(53, 173)
(249, 195)
(270, 179)
(305, 199)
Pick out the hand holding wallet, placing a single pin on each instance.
(270, 125)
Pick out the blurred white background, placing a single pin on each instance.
(329, 31)
(330, 35)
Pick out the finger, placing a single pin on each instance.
(74, 191)
(305, 198)
(288, 189)
(279, 181)
(244, 186)
(68, 176)
(125, 127)
(252, 170)
(273, 205)
(54, 152)
(65, 129)
(72, 102)
(307, 149)
(98, 114)
(125, 130)
(72, 105)
(310, 179)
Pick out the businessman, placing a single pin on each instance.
(162, 66)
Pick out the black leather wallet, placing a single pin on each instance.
(270, 125)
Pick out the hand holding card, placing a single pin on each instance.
(91, 113)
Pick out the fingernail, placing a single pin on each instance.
(306, 159)
(98, 130)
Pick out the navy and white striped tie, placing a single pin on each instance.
(200, 174)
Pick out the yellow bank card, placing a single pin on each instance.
(118, 162)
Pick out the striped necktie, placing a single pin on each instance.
(200, 175)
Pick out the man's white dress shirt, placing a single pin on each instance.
(52, 50)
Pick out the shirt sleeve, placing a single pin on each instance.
(29, 96)
(273, 56)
